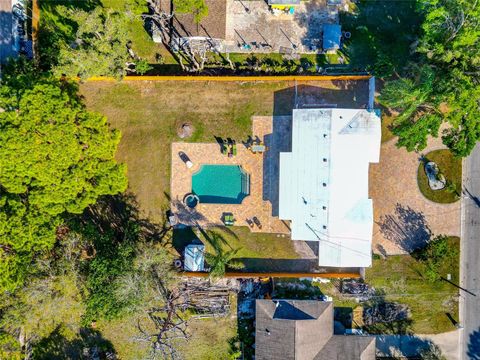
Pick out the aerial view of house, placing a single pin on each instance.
(239, 179)
(303, 329)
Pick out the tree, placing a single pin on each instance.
(142, 66)
(51, 302)
(434, 255)
(451, 33)
(449, 50)
(196, 7)
(414, 100)
(100, 46)
(221, 260)
(55, 158)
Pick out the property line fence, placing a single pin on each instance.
(234, 78)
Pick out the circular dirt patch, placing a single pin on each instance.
(185, 130)
(451, 168)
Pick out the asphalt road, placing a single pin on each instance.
(470, 259)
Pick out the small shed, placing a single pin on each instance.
(194, 257)
(332, 34)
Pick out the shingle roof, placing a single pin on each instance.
(212, 26)
(303, 329)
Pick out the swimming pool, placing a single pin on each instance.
(221, 184)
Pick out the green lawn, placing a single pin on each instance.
(251, 245)
(451, 168)
(400, 277)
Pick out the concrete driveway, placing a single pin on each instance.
(403, 218)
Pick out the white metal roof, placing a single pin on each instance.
(324, 182)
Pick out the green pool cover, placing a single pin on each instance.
(221, 184)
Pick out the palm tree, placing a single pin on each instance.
(221, 260)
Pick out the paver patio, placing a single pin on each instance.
(253, 205)
(403, 218)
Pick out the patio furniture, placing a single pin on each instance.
(250, 222)
(257, 222)
(225, 147)
(258, 148)
(186, 160)
(234, 148)
(228, 219)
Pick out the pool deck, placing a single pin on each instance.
(255, 204)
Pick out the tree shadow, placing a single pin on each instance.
(405, 227)
(88, 344)
(119, 213)
(382, 34)
(473, 347)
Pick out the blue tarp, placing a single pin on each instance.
(331, 36)
(194, 259)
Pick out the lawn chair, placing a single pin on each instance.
(250, 222)
(228, 219)
(234, 148)
(257, 222)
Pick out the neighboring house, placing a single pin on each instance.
(13, 30)
(303, 330)
(209, 32)
(212, 26)
(324, 182)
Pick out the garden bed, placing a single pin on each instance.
(451, 168)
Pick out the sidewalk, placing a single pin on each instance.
(412, 345)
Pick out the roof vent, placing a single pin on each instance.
(324, 184)
(324, 159)
(324, 227)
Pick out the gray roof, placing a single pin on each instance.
(303, 329)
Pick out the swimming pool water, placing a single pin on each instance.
(221, 184)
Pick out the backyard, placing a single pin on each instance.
(149, 114)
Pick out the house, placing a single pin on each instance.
(323, 188)
(303, 330)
